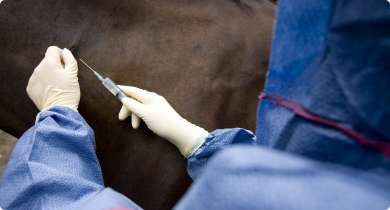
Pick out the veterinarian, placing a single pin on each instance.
(322, 138)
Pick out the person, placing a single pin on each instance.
(322, 138)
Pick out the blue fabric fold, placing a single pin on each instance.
(253, 177)
(109, 199)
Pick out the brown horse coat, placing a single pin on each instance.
(208, 58)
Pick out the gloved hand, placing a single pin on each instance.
(54, 83)
(162, 119)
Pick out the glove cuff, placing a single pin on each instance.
(195, 143)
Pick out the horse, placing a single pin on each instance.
(208, 58)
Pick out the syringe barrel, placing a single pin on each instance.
(113, 88)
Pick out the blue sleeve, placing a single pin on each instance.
(254, 177)
(217, 140)
(53, 165)
(109, 199)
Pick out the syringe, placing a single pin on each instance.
(109, 84)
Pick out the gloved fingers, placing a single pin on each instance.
(53, 53)
(134, 106)
(51, 61)
(142, 96)
(69, 61)
(135, 121)
(124, 113)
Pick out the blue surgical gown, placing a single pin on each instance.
(322, 138)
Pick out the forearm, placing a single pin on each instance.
(216, 141)
(53, 163)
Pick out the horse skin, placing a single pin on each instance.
(208, 58)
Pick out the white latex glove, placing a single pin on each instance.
(162, 119)
(54, 83)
